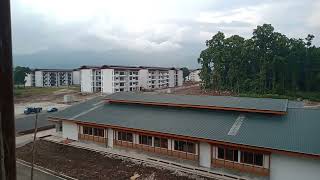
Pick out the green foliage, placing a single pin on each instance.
(19, 74)
(267, 63)
(185, 72)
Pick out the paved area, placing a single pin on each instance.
(26, 122)
(25, 139)
(19, 108)
(23, 173)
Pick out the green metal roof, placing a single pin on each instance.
(265, 104)
(298, 131)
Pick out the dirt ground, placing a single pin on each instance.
(84, 164)
(190, 89)
(55, 95)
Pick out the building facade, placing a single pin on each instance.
(52, 77)
(111, 79)
(254, 137)
(194, 76)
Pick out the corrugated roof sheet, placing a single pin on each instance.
(298, 131)
(264, 104)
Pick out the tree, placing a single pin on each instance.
(268, 62)
(19, 74)
(185, 72)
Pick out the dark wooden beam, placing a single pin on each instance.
(7, 129)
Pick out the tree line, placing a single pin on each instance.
(268, 62)
(19, 74)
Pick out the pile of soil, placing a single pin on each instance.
(85, 164)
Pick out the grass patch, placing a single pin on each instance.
(312, 96)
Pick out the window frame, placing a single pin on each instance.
(183, 146)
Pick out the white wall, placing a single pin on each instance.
(143, 78)
(194, 76)
(293, 168)
(205, 155)
(86, 80)
(28, 79)
(38, 79)
(69, 130)
(110, 137)
(197, 76)
(106, 81)
(170, 141)
(76, 77)
(180, 77)
(171, 78)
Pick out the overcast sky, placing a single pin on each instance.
(70, 33)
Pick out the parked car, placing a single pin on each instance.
(52, 109)
(29, 110)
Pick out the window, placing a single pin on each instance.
(258, 159)
(220, 153)
(93, 131)
(146, 140)
(247, 157)
(98, 132)
(252, 158)
(231, 155)
(85, 130)
(228, 154)
(125, 136)
(184, 146)
(160, 142)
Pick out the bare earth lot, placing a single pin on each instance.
(84, 164)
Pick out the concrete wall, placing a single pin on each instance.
(110, 137)
(86, 80)
(69, 130)
(143, 78)
(107, 81)
(204, 155)
(171, 78)
(293, 168)
(180, 77)
(76, 77)
(38, 79)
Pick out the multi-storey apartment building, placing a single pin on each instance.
(52, 77)
(110, 79)
(194, 76)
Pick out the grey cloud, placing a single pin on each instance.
(40, 43)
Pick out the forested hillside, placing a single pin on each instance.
(268, 62)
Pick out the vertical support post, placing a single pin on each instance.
(34, 142)
(7, 128)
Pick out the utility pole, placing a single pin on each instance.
(7, 129)
(34, 142)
